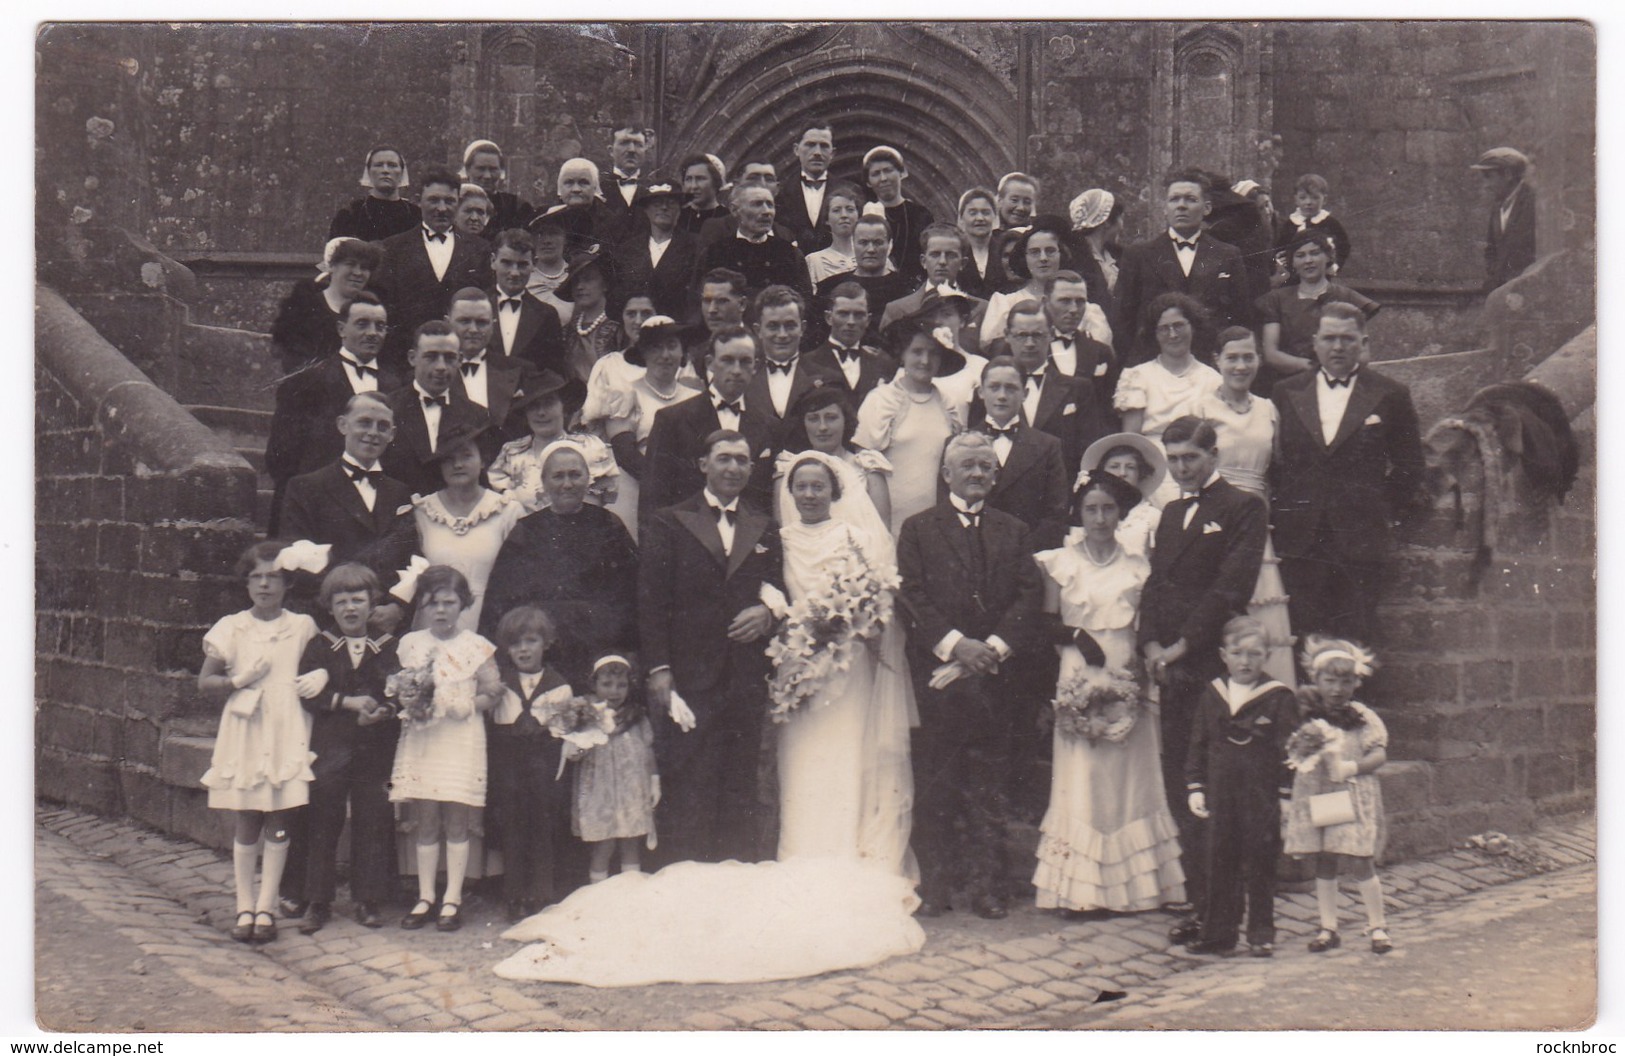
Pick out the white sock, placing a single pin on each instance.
(244, 856)
(1326, 900)
(428, 867)
(1371, 895)
(456, 869)
(276, 856)
(597, 876)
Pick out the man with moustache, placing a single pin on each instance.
(619, 186)
(429, 408)
(755, 251)
(751, 174)
(801, 204)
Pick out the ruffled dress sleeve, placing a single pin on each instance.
(609, 389)
(220, 643)
(871, 461)
(877, 417)
(1374, 734)
(1131, 392)
(1060, 565)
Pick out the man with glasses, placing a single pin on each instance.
(1065, 407)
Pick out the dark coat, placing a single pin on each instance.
(671, 282)
(304, 434)
(677, 442)
(1032, 486)
(810, 233)
(1218, 279)
(334, 730)
(1360, 485)
(802, 381)
(324, 507)
(875, 368)
(1070, 410)
(539, 338)
(774, 262)
(306, 330)
(1507, 253)
(941, 591)
(1203, 575)
(375, 219)
(410, 292)
(505, 378)
(407, 456)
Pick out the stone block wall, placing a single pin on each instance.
(140, 515)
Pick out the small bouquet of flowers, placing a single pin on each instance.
(581, 723)
(412, 689)
(1099, 704)
(1304, 747)
(823, 630)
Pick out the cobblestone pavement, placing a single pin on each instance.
(1030, 971)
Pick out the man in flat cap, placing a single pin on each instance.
(1510, 247)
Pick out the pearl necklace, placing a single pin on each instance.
(590, 327)
(1109, 558)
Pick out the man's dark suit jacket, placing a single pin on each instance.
(324, 507)
(504, 379)
(677, 443)
(411, 294)
(717, 228)
(874, 368)
(1097, 362)
(689, 591)
(774, 262)
(406, 457)
(334, 731)
(803, 379)
(1069, 410)
(1203, 575)
(1031, 486)
(810, 233)
(941, 591)
(1357, 487)
(539, 338)
(1507, 253)
(670, 283)
(304, 430)
(1218, 279)
(619, 222)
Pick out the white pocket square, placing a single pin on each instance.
(1212, 526)
(767, 452)
(760, 549)
(1070, 408)
(1224, 274)
(1375, 419)
(1101, 368)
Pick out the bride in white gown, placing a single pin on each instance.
(841, 894)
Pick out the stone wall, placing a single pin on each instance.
(140, 514)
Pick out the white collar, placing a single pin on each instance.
(753, 241)
(962, 506)
(715, 503)
(1248, 693)
(1300, 220)
(1175, 236)
(350, 459)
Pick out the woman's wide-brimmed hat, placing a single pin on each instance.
(949, 359)
(571, 391)
(654, 328)
(460, 433)
(1156, 463)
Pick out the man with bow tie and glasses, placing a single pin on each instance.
(429, 407)
(1067, 408)
(1204, 564)
(307, 403)
(1347, 472)
(1180, 259)
(801, 201)
(704, 620)
(970, 598)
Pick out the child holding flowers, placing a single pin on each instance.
(447, 678)
(616, 787)
(1341, 747)
(1237, 775)
(260, 770)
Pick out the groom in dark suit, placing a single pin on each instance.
(1209, 546)
(1181, 259)
(1347, 469)
(704, 617)
(970, 595)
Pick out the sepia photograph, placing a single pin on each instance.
(730, 526)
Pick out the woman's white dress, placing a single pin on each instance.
(1108, 840)
(910, 429)
(838, 896)
(469, 544)
(1246, 442)
(1163, 396)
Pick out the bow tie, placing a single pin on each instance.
(1337, 383)
(472, 367)
(1180, 243)
(433, 401)
(357, 474)
(361, 369)
(1190, 496)
(1035, 377)
(846, 355)
(723, 514)
(781, 368)
(1006, 431)
(972, 519)
(1065, 339)
(730, 405)
(432, 237)
(808, 181)
(508, 304)
(628, 181)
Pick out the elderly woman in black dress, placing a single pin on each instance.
(307, 325)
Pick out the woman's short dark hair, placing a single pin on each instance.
(1041, 225)
(348, 578)
(355, 251)
(1118, 452)
(802, 463)
(700, 159)
(1125, 495)
(1233, 333)
(437, 578)
(526, 619)
(817, 399)
(257, 553)
(1189, 307)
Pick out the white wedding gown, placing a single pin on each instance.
(841, 894)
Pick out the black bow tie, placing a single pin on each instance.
(781, 368)
(432, 237)
(846, 355)
(723, 514)
(357, 474)
(1337, 383)
(628, 181)
(730, 405)
(815, 183)
(472, 367)
(1006, 431)
(1035, 376)
(1180, 243)
(361, 369)
(508, 303)
(1065, 339)
(433, 401)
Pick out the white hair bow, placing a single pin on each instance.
(406, 584)
(303, 556)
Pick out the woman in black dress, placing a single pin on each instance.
(383, 212)
(307, 325)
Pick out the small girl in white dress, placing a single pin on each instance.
(260, 770)
(448, 678)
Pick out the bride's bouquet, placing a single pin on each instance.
(1098, 704)
(824, 630)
